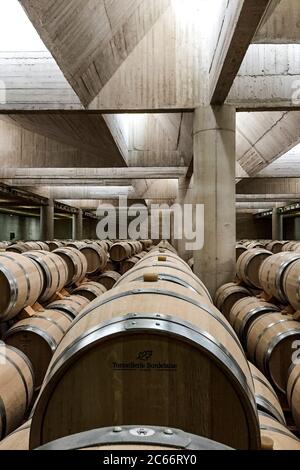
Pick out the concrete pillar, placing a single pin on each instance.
(277, 225)
(78, 225)
(214, 187)
(185, 196)
(47, 221)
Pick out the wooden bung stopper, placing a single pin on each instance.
(267, 443)
(150, 277)
(162, 258)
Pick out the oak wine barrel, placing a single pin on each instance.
(120, 251)
(108, 279)
(173, 342)
(245, 311)
(134, 438)
(277, 434)
(129, 264)
(16, 388)
(36, 246)
(17, 440)
(175, 273)
(147, 244)
(21, 283)
(239, 250)
(265, 396)
(17, 248)
(293, 392)
(255, 245)
(270, 346)
(248, 266)
(96, 258)
(76, 263)
(167, 257)
(289, 246)
(272, 271)
(54, 245)
(227, 295)
(275, 246)
(54, 270)
(72, 306)
(291, 284)
(77, 245)
(90, 290)
(38, 337)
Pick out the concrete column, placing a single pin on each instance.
(214, 187)
(78, 225)
(47, 221)
(185, 196)
(277, 225)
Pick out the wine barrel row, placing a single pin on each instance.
(151, 338)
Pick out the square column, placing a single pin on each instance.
(277, 225)
(77, 227)
(47, 221)
(214, 187)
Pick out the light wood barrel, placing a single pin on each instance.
(90, 290)
(54, 245)
(272, 271)
(137, 247)
(165, 245)
(77, 245)
(272, 430)
(108, 279)
(134, 438)
(76, 263)
(141, 255)
(176, 274)
(254, 245)
(17, 440)
(72, 305)
(173, 342)
(227, 295)
(21, 283)
(36, 246)
(239, 250)
(37, 337)
(147, 244)
(291, 246)
(96, 258)
(248, 266)
(129, 264)
(245, 311)
(270, 346)
(275, 246)
(291, 284)
(16, 388)
(120, 251)
(17, 248)
(167, 257)
(293, 393)
(103, 244)
(265, 396)
(54, 270)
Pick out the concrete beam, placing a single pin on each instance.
(281, 26)
(267, 197)
(86, 176)
(269, 186)
(240, 23)
(269, 78)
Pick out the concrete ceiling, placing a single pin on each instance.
(282, 25)
(88, 133)
(89, 47)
